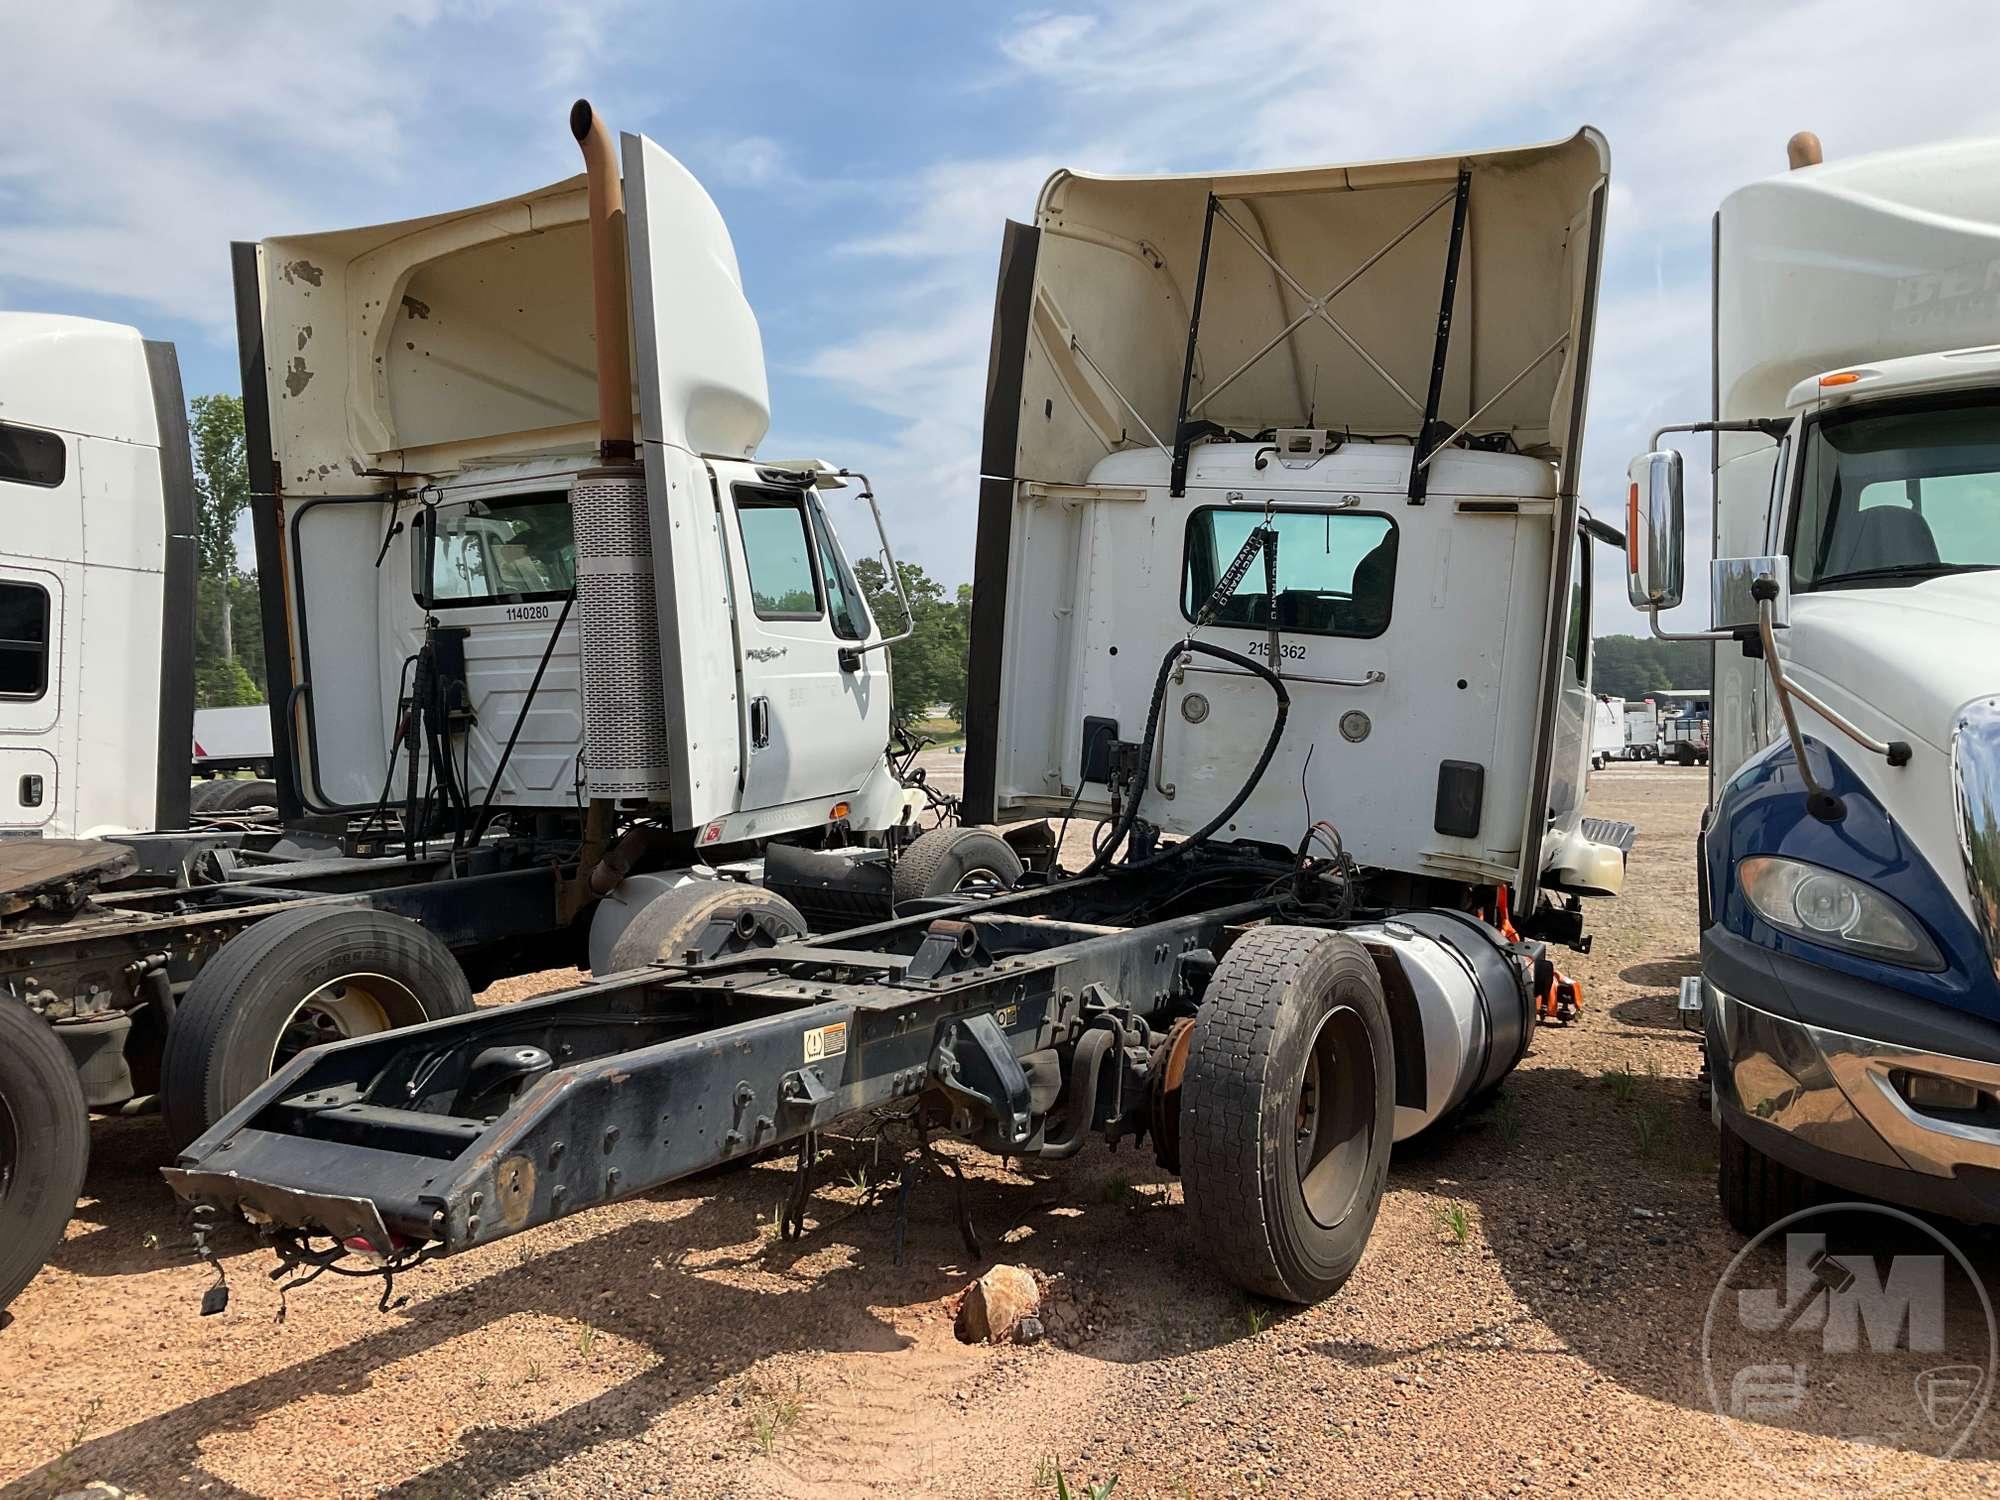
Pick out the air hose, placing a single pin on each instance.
(1264, 539)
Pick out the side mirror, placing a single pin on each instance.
(1655, 547)
(1732, 605)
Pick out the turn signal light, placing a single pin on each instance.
(1845, 377)
(1632, 529)
(840, 810)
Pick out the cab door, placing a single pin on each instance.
(816, 708)
(31, 617)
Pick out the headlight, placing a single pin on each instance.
(1824, 906)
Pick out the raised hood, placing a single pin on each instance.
(416, 347)
(1117, 260)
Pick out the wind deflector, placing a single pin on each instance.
(1118, 273)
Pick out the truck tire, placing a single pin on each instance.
(44, 1144)
(242, 796)
(947, 860)
(290, 982)
(203, 794)
(676, 920)
(1287, 1111)
(1756, 1191)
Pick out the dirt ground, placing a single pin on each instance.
(675, 1343)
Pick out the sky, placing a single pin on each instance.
(866, 156)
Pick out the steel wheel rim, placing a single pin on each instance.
(1334, 1117)
(350, 1006)
(977, 877)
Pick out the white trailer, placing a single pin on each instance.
(1850, 861)
(1607, 731)
(1642, 730)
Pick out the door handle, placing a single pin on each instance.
(760, 723)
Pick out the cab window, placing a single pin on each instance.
(505, 551)
(777, 551)
(24, 640)
(844, 606)
(1336, 570)
(1579, 612)
(29, 455)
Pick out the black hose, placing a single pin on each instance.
(1131, 813)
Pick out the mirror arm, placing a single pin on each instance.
(1771, 427)
(889, 563)
(1653, 620)
(1821, 802)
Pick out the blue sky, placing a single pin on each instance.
(866, 154)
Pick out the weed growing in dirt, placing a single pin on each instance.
(1507, 1119)
(1651, 1129)
(1045, 1471)
(1101, 1490)
(856, 1180)
(1118, 1189)
(776, 1415)
(1456, 1222)
(1259, 1318)
(586, 1339)
(73, 1439)
(534, 1375)
(1620, 1082)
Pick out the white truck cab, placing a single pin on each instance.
(1172, 380)
(481, 502)
(97, 580)
(1850, 985)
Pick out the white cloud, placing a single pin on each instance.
(144, 138)
(1695, 102)
(751, 160)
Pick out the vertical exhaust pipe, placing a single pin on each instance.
(608, 284)
(626, 743)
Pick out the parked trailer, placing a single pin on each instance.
(1607, 732)
(541, 693)
(1338, 812)
(1849, 993)
(1642, 731)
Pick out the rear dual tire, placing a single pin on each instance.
(950, 861)
(44, 1144)
(1287, 1111)
(292, 981)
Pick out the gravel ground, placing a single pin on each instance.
(673, 1343)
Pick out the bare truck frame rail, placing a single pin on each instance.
(1024, 1021)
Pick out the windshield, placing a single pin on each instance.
(1898, 496)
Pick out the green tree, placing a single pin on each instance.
(228, 623)
(1626, 666)
(929, 668)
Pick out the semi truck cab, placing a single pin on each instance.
(1849, 992)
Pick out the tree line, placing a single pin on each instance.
(1631, 666)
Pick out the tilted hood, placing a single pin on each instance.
(1116, 265)
(415, 347)
(1914, 654)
